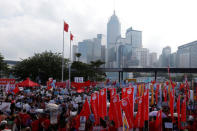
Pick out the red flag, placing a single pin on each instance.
(183, 111)
(172, 105)
(16, 90)
(117, 117)
(66, 26)
(124, 92)
(139, 113)
(94, 106)
(127, 107)
(49, 84)
(158, 122)
(84, 112)
(110, 113)
(156, 93)
(165, 94)
(112, 92)
(71, 36)
(178, 110)
(146, 109)
(103, 103)
(129, 92)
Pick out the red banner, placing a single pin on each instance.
(127, 107)
(178, 110)
(94, 106)
(146, 103)
(183, 111)
(124, 92)
(158, 122)
(6, 81)
(103, 103)
(112, 92)
(117, 117)
(139, 113)
(172, 105)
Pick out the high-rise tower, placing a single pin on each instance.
(113, 33)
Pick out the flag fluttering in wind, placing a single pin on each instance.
(71, 36)
(158, 122)
(66, 26)
(94, 106)
(103, 103)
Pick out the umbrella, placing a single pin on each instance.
(154, 113)
(27, 83)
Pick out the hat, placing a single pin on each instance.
(4, 122)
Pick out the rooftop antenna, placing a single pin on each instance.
(114, 6)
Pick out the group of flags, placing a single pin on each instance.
(66, 27)
(124, 104)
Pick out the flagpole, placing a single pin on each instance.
(63, 55)
(70, 64)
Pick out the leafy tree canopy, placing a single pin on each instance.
(42, 66)
(3, 65)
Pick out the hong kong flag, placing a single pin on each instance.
(127, 107)
(102, 103)
(117, 117)
(66, 26)
(94, 106)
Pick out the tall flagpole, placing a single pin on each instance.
(70, 64)
(63, 55)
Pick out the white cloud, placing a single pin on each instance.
(29, 26)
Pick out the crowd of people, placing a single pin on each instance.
(39, 109)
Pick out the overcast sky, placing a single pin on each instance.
(33, 26)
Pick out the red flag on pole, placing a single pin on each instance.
(139, 113)
(158, 122)
(172, 105)
(146, 103)
(103, 103)
(94, 106)
(165, 94)
(112, 92)
(127, 107)
(71, 36)
(124, 92)
(16, 90)
(178, 110)
(66, 26)
(117, 117)
(183, 111)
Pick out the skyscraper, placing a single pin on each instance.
(113, 33)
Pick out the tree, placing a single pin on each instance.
(88, 71)
(42, 65)
(3, 66)
(78, 55)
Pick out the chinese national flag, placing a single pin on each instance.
(16, 90)
(71, 36)
(103, 103)
(117, 114)
(66, 26)
(94, 106)
(127, 107)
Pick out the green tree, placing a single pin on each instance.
(78, 55)
(88, 71)
(44, 65)
(3, 66)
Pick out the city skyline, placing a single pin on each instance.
(35, 26)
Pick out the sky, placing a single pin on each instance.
(34, 26)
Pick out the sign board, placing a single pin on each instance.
(79, 79)
(6, 81)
